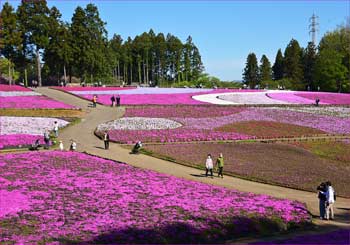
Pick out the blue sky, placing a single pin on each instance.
(224, 31)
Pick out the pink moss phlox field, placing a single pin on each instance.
(182, 111)
(327, 98)
(196, 128)
(149, 99)
(16, 140)
(341, 236)
(32, 102)
(8, 88)
(310, 98)
(160, 99)
(329, 124)
(70, 196)
(173, 135)
(12, 202)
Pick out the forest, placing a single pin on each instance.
(325, 67)
(38, 44)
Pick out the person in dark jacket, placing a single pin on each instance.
(106, 140)
(322, 189)
(113, 100)
(118, 99)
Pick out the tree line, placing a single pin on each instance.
(40, 45)
(325, 67)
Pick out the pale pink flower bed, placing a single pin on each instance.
(71, 89)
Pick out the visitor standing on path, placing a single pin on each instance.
(220, 165)
(113, 101)
(118, 99)
(330, 195)
(106, 140)
(55, 128)
(322, 199)
(209, 166)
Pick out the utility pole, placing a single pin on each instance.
(313, 27)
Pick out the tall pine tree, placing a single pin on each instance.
(309, 59)
(251, 71)
(293, 69)
(265, 71)
(277, 68)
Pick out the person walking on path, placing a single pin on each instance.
(220, 165)
(330, 194)
(118, 99)
(47, 139)
(106, 140)
(113, 101)
(55, 128)
(73, 145)
(322, 199)
(209, 166)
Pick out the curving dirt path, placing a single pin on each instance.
(83, 133)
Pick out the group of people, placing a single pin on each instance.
(35, 83)
(209, 166)
(115, 100)
(327, 197)
(47, 140)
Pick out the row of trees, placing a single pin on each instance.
(326, 67)
(36, 41)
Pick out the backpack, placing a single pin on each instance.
(335, 196)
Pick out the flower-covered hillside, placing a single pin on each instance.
(72, 197)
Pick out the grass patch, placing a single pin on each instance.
(65, 113)
(269, 129)
(338, 151)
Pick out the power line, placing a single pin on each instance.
(313, 27)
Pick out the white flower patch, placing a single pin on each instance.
(336, 111)
(18, 93)
(28, 125)
(138, 123)
(250, 98)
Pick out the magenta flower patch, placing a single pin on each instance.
(74, 197)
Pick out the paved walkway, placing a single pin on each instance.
(83, 133)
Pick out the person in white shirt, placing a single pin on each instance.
(61, 145)
(55, 128)
(209, 166)
(330, 201)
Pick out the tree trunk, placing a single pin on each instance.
(39, 67)
(139, 70)
(10, 77)
(130, 73)
(147, 78)
(64, 74)
(25, 77)
(118, 72)
(144, 72)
